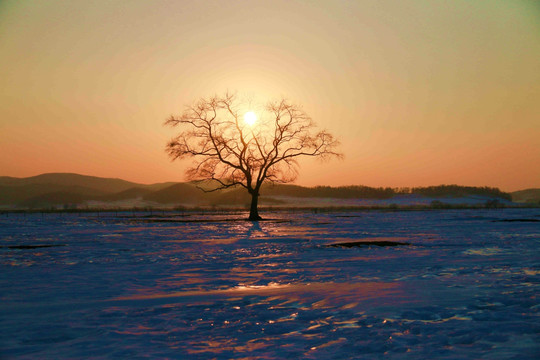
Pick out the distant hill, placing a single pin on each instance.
(180, 193)
(66, 188)
(132, 193)
(67, 179)
(24, 194)
(106, 185)
(527, 195)
(63, 198)
(69, 190)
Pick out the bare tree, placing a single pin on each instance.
(236, 147)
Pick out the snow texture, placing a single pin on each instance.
(172, 285)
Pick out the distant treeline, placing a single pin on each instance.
(459, 191)
(366, 192)
(340, 192)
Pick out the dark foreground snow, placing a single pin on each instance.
(214, 286)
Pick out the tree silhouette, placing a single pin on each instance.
(233, 149)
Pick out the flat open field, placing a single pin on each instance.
(452, 284)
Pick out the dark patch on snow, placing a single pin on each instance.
(30, 247)
(471, 218)
(361, 243)
(517, 220)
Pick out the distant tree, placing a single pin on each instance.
(234, 146)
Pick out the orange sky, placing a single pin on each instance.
(419, 92)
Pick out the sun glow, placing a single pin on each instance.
(250, 118)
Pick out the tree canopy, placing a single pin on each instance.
(234, 149)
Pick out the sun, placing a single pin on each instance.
(250, 118)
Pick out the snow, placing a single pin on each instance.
(204, 286)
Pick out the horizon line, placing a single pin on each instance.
(291, 183)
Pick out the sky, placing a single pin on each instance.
(419, 93)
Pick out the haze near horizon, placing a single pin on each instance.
(419, 93)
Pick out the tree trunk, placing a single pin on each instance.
(253, 210)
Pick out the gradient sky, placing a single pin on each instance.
(419, 92)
